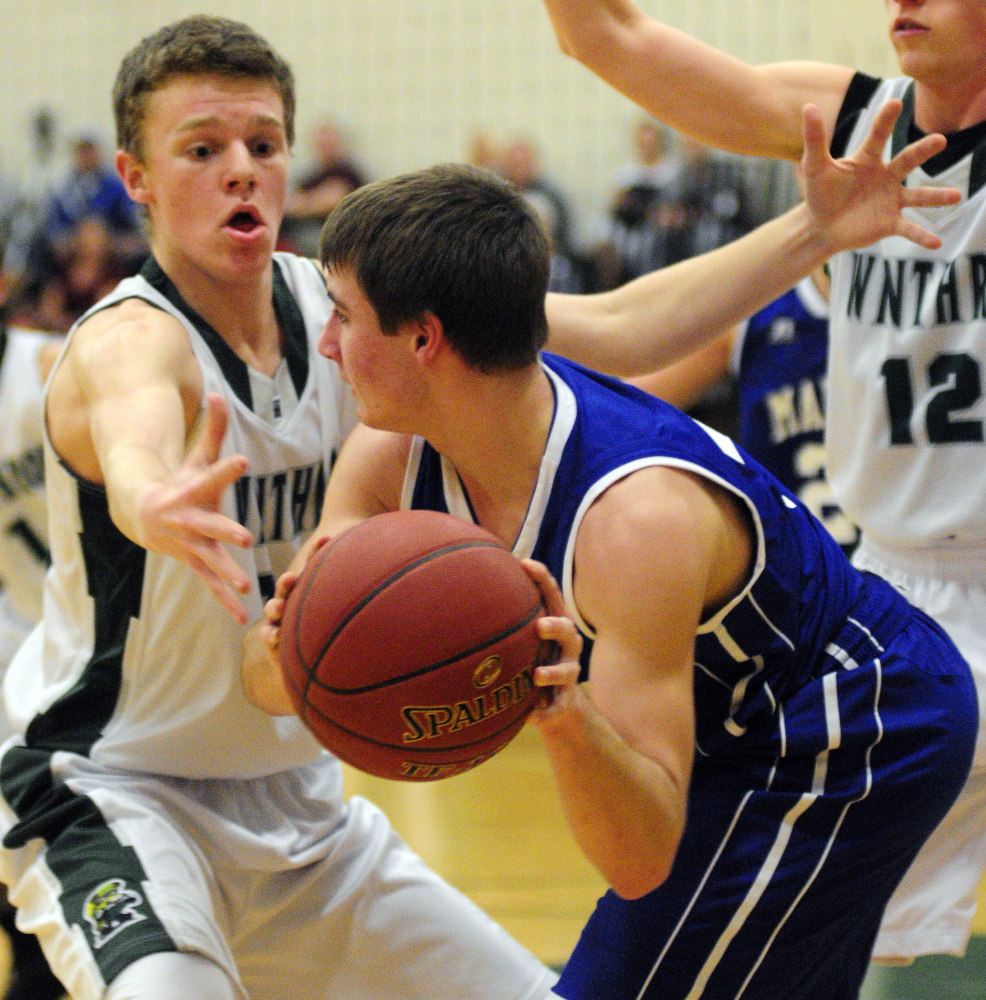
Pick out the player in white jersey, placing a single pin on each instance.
(162, 837)
(905, 407)
(26, 358)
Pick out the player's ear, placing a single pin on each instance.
(429, 337)
(133, 173)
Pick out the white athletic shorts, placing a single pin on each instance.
(932, 910)
(294, 895)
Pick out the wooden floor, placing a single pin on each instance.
(498, 834)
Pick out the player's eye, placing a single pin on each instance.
(200, 151)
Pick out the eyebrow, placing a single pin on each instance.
(203, 121)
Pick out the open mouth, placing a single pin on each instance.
(244, 221)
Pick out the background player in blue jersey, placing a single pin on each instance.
(778, 358)
(906, 406)
(755, 708)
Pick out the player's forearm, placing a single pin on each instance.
(625, 812)
(262, 678)
(685, 83)
(664, 316)
(132, 473)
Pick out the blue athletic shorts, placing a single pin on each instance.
(795, 841)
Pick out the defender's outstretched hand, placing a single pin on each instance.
(180, 516)
(858, 199)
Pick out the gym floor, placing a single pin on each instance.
(499, 835)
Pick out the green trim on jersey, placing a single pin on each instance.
(101, 880)
(115, 578)
(233, 367)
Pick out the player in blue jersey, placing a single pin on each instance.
(777, 358)
(755, 710)
(907, 348)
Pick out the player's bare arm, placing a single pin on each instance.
(694, 87)
(121, 412)
(654, 555)
(666, 315)
(686, 382)
(366, 480)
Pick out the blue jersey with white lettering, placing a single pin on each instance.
(768, 640)
(779, 360)
(822, 701)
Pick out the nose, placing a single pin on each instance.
(328, 342)
(242, 171)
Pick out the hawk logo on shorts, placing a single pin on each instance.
(110, 908)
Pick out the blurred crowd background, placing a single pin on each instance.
(72, 233)
(392, 85)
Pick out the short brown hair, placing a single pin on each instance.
(195, 45)
(457, 242)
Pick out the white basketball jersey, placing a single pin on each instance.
(23, 516)
(135, 663)
(906, 407)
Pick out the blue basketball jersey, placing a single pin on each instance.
(779, 360)
(767, 640)
(822, 701)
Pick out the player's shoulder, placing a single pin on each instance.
(864, 96)
(131, 333)
(654, 502)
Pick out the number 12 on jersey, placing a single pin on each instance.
(954, 383)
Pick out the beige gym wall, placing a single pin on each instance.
(410, 80)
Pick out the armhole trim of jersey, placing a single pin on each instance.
(615, 475)
(411, 472)
(861, 89)
(736, 348)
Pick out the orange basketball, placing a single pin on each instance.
(408, 645)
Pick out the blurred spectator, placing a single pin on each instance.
(332, 176)
(712, 191)
(8, 205)
(33, 192)
(655, 167)
(91, 188)
(87, 267)
(485, 151)
(521, 166)
(642, 228)
(91, 237)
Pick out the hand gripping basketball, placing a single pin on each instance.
(409, 644)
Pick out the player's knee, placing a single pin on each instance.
(173, 975)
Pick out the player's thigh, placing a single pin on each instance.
(372, 921)
(173, 976)
(116, 881)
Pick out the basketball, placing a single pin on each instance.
(408, 645)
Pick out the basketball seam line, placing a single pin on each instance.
(492, 640)
(310, 671)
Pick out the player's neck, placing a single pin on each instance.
(497, 444)
(241, 312)
(949, 106)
